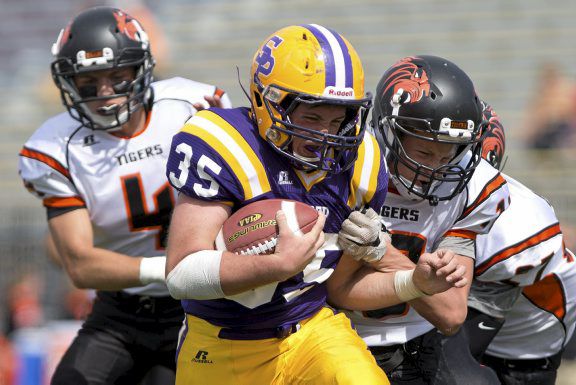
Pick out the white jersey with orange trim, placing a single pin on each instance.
(121, 181)
(417, 227)
(524, 271)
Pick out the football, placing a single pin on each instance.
(253, 230)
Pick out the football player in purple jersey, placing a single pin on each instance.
(263, 319)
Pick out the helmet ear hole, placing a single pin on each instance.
(257, 99)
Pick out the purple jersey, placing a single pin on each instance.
(220, 156)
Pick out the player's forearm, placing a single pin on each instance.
(51, 250)
(88, 266)
(239, 273)
(446, 311)
(366, 289)
(102, 269)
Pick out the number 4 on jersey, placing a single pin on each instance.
(142, 219)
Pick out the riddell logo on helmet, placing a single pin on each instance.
(339, 92)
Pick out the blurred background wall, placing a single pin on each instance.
(520, 54)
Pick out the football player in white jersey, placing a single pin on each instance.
(525, 278)
(428, 119)
(99, 170)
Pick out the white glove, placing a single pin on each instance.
(362, 236)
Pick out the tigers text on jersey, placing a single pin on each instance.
(525, 250)
(120, 181)
(220, 156)
(417, 227)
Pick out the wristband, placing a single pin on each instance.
(404, 286)
(152, 269)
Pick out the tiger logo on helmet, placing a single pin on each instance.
(309, 64)
(494, 144)
(130, 27)
(409, 81)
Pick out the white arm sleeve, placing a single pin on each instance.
(197, 276)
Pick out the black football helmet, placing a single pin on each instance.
(102, 38)
(432, 99)
(494, 144)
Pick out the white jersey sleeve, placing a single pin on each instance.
(515, 252)
(190, 91)
(543, 318)
(524, 273)
(487, 197)
(43, 166)
(522, 242)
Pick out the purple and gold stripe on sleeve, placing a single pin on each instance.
(367, 170)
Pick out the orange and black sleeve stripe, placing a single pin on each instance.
(57, 206)
(46, 159)
(495, 184)
(541, 236)
(461, 234)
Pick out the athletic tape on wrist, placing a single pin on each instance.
(197, 276)
(152, 269)
(404, 286)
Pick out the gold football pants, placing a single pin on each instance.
(325, 350)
